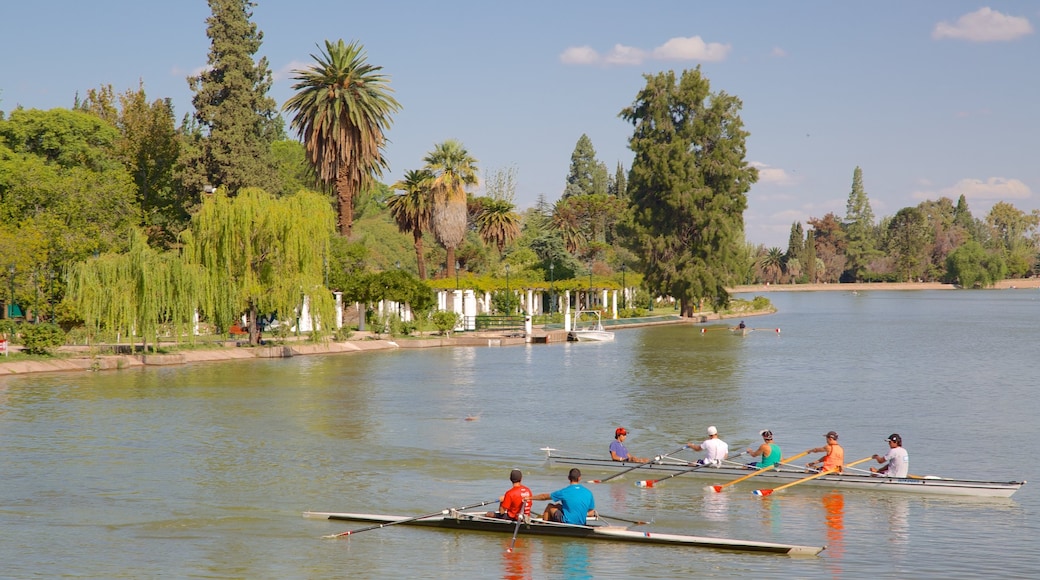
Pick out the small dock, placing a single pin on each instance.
(547, 336)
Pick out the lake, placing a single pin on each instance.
(203, 470)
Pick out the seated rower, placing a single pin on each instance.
(834, 460)
(898, 459)
(769, 451)
(618, 451)
(574, 503)
(516, 501)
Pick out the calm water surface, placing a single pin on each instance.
(201, 471)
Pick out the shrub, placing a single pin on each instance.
(444, 321)
(41, 338)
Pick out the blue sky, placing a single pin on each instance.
(930, 98)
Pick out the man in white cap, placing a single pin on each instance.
(715, 449)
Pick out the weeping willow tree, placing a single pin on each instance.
(262, 255)
(136, 293)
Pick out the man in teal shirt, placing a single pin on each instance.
(575, 502)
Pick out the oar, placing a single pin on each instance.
(718, 488)
(653, 482)
(442, 512)
(519, 518)
(655, 460)
(621, 519)
(764, 492)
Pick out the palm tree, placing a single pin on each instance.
(497, 223)
(772, 264)
(412, 209)
(453, 168)
(342, 109)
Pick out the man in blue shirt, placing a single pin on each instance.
(575, 502)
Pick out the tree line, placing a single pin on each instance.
(936, 240)
(115, 215)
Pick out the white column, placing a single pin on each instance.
(567, 310)
(530, 305)
(339, 309)
(613, 306)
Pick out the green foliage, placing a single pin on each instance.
(688, 185)
(859, 228)
(8, 329)
(505, 302)
(972, 266)
(261, 255)
(453, 169)
(41, 338)
(238, 119)
(444, 321)
(581, 177)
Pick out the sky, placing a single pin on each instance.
(929, 98)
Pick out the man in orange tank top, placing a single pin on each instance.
(834, 460)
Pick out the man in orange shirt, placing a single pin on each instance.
(834, 460)
(513, 501)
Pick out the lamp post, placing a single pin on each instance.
(457, 267)
(552, 293)
(10, 306)
(622, 285)
(509, 295)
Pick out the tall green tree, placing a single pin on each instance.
(412, 210)
(261, 255)
(688, 184)
(583, 170)
(149, 146)
(811, 266)
(795, 242)
(861, 245)
(1014, 234)
(453, 169)
(342, 110)
(908, 235)
(237, 120)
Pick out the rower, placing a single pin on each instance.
(618, 451)
(834, 460)
(769, 451)
(518, 497)
(898, 459)
(575, 502)
(715, 449)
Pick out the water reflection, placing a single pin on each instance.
(834, 510)
(715, 506)
(516, 563)
(575, 563)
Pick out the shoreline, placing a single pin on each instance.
(364, 341)
(1016, 284)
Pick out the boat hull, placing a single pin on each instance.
(477, 522)
(769, 479)
(592, 335)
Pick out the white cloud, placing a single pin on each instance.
(772, 175)
(624, 55)
(691, 48)
(984, 25)
(679, 48)
(994, 188)
(579, 55)
(287, 71)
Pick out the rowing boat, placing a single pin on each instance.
(596, 530)
(929, 485)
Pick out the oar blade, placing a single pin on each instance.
(763, 492)
(646, 483)
(715, 488)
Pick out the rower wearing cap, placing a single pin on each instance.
(516, 500)
(715, 449)
(898, 459)
(618, 451)
(769, 451)
(834, 460)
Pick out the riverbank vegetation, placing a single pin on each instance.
(119, 221)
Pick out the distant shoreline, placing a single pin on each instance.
(1022, 283)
